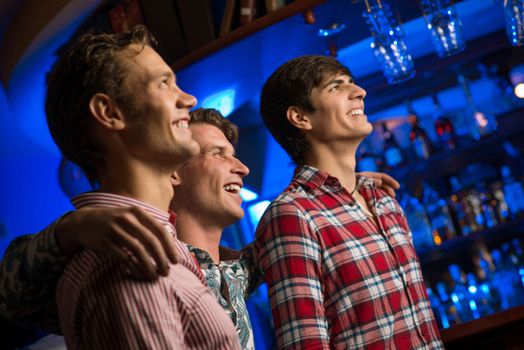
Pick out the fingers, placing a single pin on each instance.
(165, 238)
(383, 181)
(125, 258)
(147, 239)
(132, 253)
(149, 247)
(390, 181)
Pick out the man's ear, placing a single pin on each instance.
(105, 111)
(175, 179)
(298, 118)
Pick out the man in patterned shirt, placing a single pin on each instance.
(335, 250)
(114, 108)
(206, 201)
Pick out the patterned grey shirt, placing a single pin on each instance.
(231, 281)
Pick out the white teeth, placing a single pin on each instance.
(232, 188)
(182, 124)
(356, 112)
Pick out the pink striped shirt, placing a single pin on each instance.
(101, 307)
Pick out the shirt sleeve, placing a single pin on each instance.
(117, 312)
(255, 277)
(289, 256)
(29, 272)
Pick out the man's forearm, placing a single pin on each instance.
(29, 272)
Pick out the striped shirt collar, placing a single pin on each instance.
(107, 200)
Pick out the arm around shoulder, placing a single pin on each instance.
(29, 272)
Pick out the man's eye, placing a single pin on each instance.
(335, 88)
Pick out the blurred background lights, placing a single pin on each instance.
(256, 210)
(247, 195)
(224, 101)
(519, 90)
(516, 76)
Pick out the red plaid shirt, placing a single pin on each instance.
(335, 279)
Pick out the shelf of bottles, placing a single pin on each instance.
(464, 201)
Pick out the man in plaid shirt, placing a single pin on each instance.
(335, 250)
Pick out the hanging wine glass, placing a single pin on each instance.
(388, 45)
(445, 27)
(514, 17)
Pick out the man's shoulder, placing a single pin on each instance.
(288, 202)
(387, 204)
(85, 265)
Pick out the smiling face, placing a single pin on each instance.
(157, 122)
(339, 111)
(210, 183)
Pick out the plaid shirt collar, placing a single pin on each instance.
(312, 178)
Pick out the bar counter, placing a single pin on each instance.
(503, 330)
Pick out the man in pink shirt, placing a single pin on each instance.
(113, 107)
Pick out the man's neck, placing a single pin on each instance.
(191, 230)
(337, 161)
(139, 181)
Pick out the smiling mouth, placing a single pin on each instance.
(233, 188)
(181, 124)
(356, 112)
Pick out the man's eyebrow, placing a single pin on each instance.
(332, 82)
(222, 149)
(162, 74)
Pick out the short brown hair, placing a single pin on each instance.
(91, 66)
(214, 117)
(291, 85)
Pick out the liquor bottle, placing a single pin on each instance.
(418, 221)
(366, 159)
(484, 271)
(450, 313)
(483, 123)
(443, 126)
(506, 277)
(518, 258)
(248, 11)
(392, 152)
(480, 299)
(458, 205)
(488, 206)
(499, 203)
(474, 211)
(513, 192)
(420, 142)
(459, 293)
(438, 309)
(438, 214)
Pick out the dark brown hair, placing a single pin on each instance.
(291, 85)
(214, 117)
(91, 66)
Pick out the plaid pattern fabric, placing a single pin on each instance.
(336, 279)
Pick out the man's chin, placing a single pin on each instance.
(234, 217)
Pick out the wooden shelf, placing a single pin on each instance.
(244, 31)
(458, 246)
(451, 161)
(502, 330)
